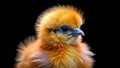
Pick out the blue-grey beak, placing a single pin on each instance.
(78, 31)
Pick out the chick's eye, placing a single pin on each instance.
(64, 28)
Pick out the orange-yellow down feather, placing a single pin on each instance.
(58, 43)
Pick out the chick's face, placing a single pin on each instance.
(67, 35)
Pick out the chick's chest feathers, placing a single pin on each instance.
(64, 57)
(71, 57)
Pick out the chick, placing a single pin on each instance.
(58, 43)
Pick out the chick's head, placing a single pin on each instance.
(60, 24)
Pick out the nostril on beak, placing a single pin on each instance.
(77, 30)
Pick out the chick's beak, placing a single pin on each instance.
(78, 31)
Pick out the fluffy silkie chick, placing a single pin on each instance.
(58, 43)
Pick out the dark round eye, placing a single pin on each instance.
(64, 28)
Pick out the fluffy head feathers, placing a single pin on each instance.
(52, 19)
(55, 16)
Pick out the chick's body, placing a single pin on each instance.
(58, 43)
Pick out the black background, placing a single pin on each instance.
(18, 19)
